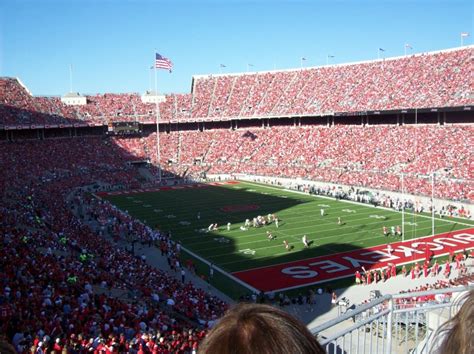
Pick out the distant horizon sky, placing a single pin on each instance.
(111, 44)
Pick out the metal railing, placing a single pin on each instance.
(391, 323)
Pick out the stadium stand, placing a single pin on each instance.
(65, 284)
(56, 262)
(439, 79)
(335, 154)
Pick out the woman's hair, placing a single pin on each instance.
(262, 329)
(6, 348)
(457, 334)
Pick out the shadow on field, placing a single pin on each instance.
(191, 215)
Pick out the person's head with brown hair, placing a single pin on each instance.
(457, 335)
(6, 348)
(257, 328)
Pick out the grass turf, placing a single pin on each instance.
(235, 250)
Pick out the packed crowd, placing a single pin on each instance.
(65, 286)
(319, 153)
(332, 154)
(440, 79)
(323, 154)
(415, 81)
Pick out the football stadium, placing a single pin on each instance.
(340, 194)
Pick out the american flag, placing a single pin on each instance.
(163, 63)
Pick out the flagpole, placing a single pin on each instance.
(327, 58)
(432, 204)
(403, 212)
(70, 78)
(150, 75)
(157, 120)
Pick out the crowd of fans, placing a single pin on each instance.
(416, 81)
(333, 154)
(65, 286)
(319, 153)
(440, 79)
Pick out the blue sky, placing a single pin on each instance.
(111, 44)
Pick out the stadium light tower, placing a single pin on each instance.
(463, 35)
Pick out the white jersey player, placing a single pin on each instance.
(305, 241)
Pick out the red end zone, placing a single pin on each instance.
(340, 265)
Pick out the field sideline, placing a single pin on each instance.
(187, 211)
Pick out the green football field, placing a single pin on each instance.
(236, 250)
